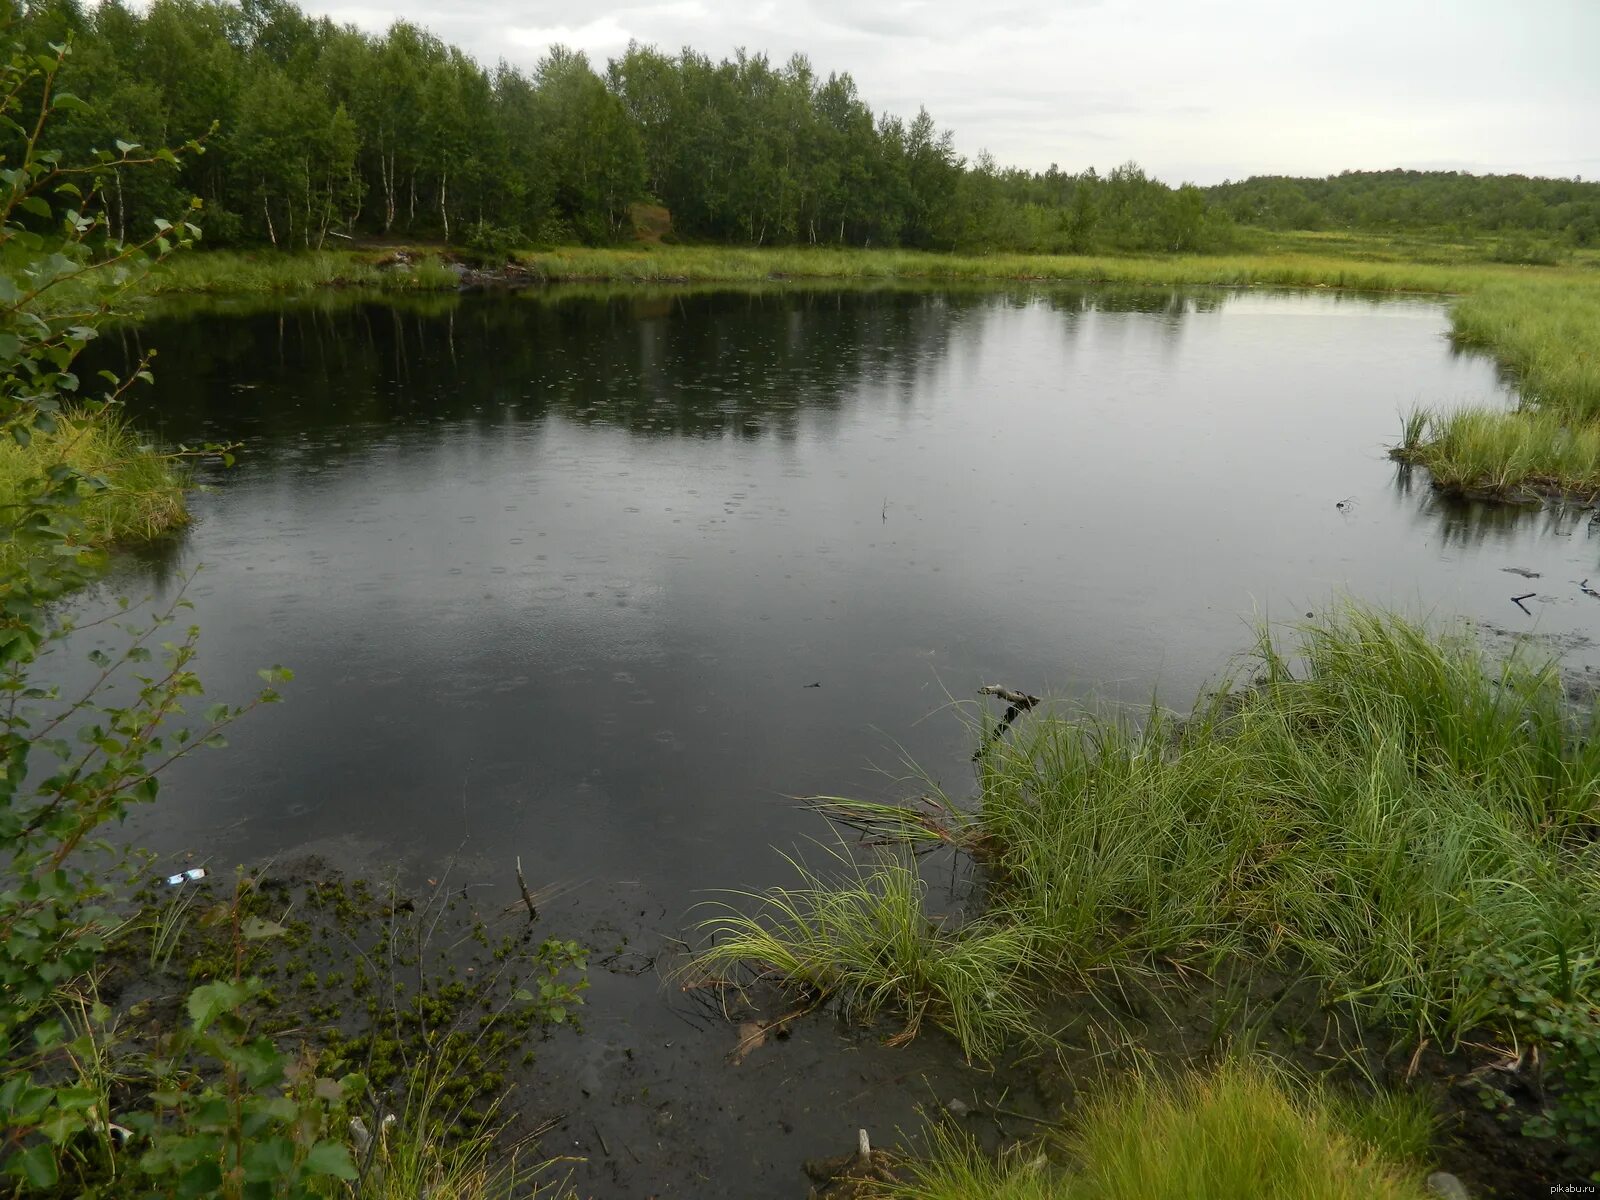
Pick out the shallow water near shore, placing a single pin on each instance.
(602, 580)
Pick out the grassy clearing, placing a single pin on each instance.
(1382, 810)
(1239, 1131)
(142, 492)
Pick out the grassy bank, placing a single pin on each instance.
(270, 272)
(1359, 265)
(134, 493)
(1238, 1131)
(1544, 330)
(1381, 810)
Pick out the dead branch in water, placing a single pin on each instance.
(1018, 702)
(522, 884)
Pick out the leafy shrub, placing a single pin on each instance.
(493, 245)
(1544, 1007)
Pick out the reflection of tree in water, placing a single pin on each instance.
(1174, 303)
(1473, 523)
(696, 363)
(330, 375)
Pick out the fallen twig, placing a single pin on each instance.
(1518, 601)
(1019, 702)
(522, 884)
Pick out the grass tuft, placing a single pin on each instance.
(142, 496)
(433, 1148)
(1508, 454)
(1239, 1131)
(865, 940)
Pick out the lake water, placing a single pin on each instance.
(559, 574)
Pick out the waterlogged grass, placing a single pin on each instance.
(1545, 332)
(1505, 454)
(864, 937)
(140, 494)
(1238, 1131)
(1378, 810)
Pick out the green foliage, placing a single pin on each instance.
(128, 490)
(492, 244)
(220, 1111)
(1528, 212)
(555, 998)
(1548, 1002)
(322, 131)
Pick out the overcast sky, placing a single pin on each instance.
(1198, 90)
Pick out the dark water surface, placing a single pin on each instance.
(555, 574)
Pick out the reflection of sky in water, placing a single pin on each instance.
(554, 576)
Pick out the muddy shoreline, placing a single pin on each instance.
(658, 1087)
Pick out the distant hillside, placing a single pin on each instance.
(1567, 210)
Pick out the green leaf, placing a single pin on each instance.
(255, 929)
(269, 1160)
(202, 1179)
(37, 1165)
(211, 1000)
(330, 1158)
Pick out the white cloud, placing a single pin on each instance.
(600, 39)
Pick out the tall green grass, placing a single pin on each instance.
(1270, 268)
(1506, 454)
(234, 272)
(1544, 330)
(1240, 1131)
(142, 492)
(1292, 266)
(1373, 808)
(432, 1149)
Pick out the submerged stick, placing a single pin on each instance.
(1019, 702)
(533, 913)
(1518, 600)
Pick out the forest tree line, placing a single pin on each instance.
(316, 131)
(1566, 210)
